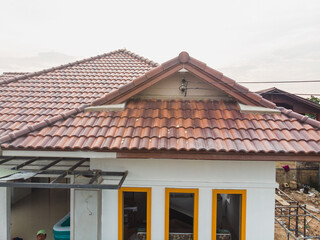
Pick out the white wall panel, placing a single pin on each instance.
(87, 214)
(258, 178)
(109, 215)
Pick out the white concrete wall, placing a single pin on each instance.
(258, 178)
(86, 214)
(5, 212)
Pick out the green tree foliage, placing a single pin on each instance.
(316, 100)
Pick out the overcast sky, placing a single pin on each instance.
(268, 40)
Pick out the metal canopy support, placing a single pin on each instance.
(51, 164)
(69, 171)
(5, 160)
(60, 168)
(122, 179)
(24, 164)
(95, 177)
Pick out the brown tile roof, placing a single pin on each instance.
(205, 126)
(33, 100)
(44, 111)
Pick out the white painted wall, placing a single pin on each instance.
(109, 214)
(205, 213)
(86, 214)
(168, 88)
(260, 213)
(5, 212)
(258, 178)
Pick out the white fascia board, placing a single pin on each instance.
(59, 154)
(108, 108)
(257, 109)
(193, 184)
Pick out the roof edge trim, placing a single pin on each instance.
(90, 154)
(139, 84)
(221, 156)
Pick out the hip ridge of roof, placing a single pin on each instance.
(37, 73)
(299, 117)
(28, 129)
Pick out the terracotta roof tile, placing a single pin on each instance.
(9, 75)
(34, 97)
(57, 96)
(208, 126)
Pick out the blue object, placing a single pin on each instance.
(61, 230)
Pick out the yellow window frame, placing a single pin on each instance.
(243, 194)
(195, 214)
(120, 209)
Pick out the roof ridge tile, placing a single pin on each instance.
(127, 87)
(197, 63)
(170, 63)
(182, 59)
(37, 73)
(299, 117)
(215, 73)
(146, 60)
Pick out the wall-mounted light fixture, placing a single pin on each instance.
(184, 83)
(183, 87)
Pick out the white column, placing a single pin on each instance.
(157, 213)
(109, 215)
(5, 212)
(86, 214)
(72, 208)
(205, 214)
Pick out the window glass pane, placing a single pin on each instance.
(181, 214)
(134, 215)
(228, 216)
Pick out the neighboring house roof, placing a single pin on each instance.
(52, 94)
(177, 125)
(145, 125)
(297, 99)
